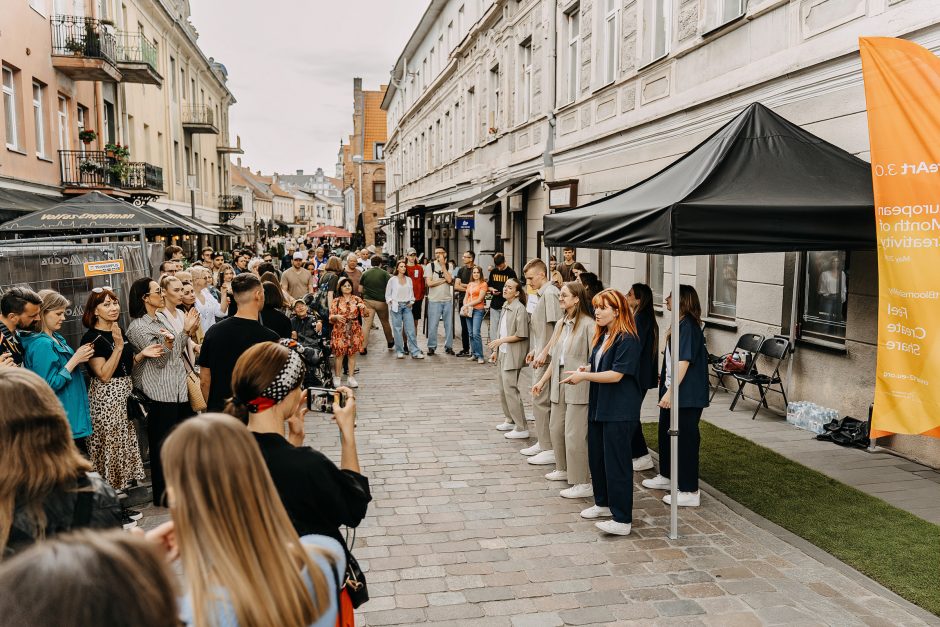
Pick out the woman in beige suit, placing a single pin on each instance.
(570, 347)
(509, 351)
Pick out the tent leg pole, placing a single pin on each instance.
(674, 410)
(794, 316)
(143, 250)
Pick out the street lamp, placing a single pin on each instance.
(357, 159)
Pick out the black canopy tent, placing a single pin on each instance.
(758, 184)
(92, 211)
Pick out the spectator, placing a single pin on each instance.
(112, 446)
(173, 253)
(297, 281)
(162, 379)
(613, 411)
(460, 289)
(306, 326)
(399, 299)
(176, 320)
(346, 340)
(500, 273)
(253, 265)
(554, 274)
(272, 314)
(170, 268)
(438, 277)
(353, 272)
(47, 487)
(640, 300)
(19, 311)
(288, 257)
(416, 274)
(576, 269)
(224, 285)
(510, 347)
(241, 263)
(591, 283)
(227, 340)
(51, 357)
(373, 283)
(205, 257)
(218, 260)
(569, 260)
(71, 582)
(209, 307)
(242, 560)
(329, 277)
(319, 259)
(475, 304)
(187, 304)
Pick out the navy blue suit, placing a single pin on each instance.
(649, 371)
(613, 418)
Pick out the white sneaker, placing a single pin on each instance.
(418, 356)
(658, 482)
(351, 382)
(580, 491)
(517, 435)
(596, 511)
(542, 459)
(481, 361)
(643, 463)
(685, 499)
(400, 356)
(557, 475)
(613, 527)
(337, 382)
(505, 426)
(535, 449)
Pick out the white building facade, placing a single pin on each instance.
(493, 100)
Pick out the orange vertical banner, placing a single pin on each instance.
(902, 93)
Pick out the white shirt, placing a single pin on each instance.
(600, 353)
(503, 332)
(397, 292)
(830, 284)
(668, 366)
(208, 311)
(565, 338)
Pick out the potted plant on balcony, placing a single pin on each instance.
(75, 46)
(117, 151)
(87, 136)
(118, 171)
(88, 166)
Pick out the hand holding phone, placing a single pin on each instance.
(322, 399)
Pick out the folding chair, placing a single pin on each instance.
(776, 349)
(748, 343)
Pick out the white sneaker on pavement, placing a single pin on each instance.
(596, 511)
(643, 463)
(557, 475)
(337, 382)
(542, 459)
(351, 382)
(580, 491)
(535, 449)
(658, 482)
(418, 356)
(614, 528)
(685, 499)
(517, 435)
(400, 356)
(505, 426)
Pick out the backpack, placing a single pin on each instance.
(321, 301)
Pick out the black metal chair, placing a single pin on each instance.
(749, 343)
(775, 349)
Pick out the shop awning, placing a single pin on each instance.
(490, 193)
(92, 211)
(758, 184)
(329, 231)
(489, 206)
(26, 202)
(230, 230)
(188, 223)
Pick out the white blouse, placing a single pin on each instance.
(397, 292)
(208, 311)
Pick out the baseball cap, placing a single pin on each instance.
(411, 251)
(300, 255)
(371, 249)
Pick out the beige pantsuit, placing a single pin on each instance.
(510, 363)
(546, 313)
(509, 393)
(569, 414)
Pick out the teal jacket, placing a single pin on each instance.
(47, 358)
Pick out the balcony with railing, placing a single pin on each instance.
(85, 170)
(229, 207)
(137, 59)
(199, 119)
(84, 49)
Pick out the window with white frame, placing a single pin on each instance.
(611, 39)
(723, 286)
(62, 116)
(433, 57)
(573, 20)
(441, 53)
(656, 29)
(9, 109)
(720, 12)
(456, 126)
(39, 118)
(525, 80)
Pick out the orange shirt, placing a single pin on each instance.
(474, 290)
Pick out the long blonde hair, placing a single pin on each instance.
(233, 531)
(51, 300)
(38, 452)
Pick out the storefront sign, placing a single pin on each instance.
(465, 224)
(102, 268)
(902, 88)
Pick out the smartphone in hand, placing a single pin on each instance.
(322, 399)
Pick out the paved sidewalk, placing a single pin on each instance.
(462, 531)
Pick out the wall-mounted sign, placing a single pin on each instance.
(102, 268)
(562, 194)
(465, 224)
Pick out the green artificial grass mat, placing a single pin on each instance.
(895, 548)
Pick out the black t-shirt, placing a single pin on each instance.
(318, 496)
(104, 346)
(464, 275)
(224, 343)
(274, 319)
(497, 280)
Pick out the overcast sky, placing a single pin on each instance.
(291, 65)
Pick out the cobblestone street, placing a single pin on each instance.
(462, 531)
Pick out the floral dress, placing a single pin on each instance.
(347, 338)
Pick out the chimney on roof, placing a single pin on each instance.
(239, 160)
(300, 172)
(259, 172)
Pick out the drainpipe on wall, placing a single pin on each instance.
(548, 161)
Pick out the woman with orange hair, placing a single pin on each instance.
(613, 410)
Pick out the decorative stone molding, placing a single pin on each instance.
(818, 16)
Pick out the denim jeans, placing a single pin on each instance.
(437, 310)
(399, 318)
(476, 342)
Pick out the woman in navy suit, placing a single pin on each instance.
(640, 299)
(692, 379)
(613, 410)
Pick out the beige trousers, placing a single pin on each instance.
(380, 309)
(542, 408)
(509, 395)
(569, 426)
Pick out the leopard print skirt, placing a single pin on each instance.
(113, 446)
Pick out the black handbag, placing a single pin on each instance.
(355, 582)
(138, 406)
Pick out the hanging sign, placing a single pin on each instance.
(465, 224)
(902, 88)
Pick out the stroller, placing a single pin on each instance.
(315, 353)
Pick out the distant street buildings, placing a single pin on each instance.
(364, 166)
